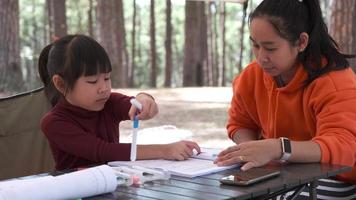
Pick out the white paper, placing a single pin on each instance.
(166, 134)
(207, 153)
(79, 184)
(187, 168)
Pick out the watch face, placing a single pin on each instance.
(286, 145)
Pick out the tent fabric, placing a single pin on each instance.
(24, 149)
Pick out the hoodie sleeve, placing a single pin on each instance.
(238, 116)
(333, 101)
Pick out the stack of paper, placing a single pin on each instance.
(83, 183)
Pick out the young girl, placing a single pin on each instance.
(300, 92)
(83, 126)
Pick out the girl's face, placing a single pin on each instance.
(273, 53)
(90, 92)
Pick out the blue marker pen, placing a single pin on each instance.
(133, 153)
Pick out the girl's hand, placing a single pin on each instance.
(149, 107)
(181, 150)
(252, 154)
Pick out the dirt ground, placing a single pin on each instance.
(199, 114)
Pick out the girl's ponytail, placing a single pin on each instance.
(42, 65)
(50, 91)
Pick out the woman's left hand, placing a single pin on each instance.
(149, 107)
(252, 153)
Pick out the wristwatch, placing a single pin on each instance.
(286, 148)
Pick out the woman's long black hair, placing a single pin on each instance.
(290, 18)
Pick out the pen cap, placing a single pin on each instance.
(135, 122)
(135, 103)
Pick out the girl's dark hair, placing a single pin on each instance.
(71, 57)
(290, 18)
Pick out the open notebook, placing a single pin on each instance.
(198, 165)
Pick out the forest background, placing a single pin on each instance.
(151, 43)
(189, 50)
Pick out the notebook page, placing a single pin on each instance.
(187, 168)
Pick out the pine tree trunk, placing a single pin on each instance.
(222, 63)
(343, 25)
(178, 76)
(57, 18)
(195, 44)
(90, 19)
(46, 31)
(168, 45)
(250, 9)
(32, 79)
(242, 35)
(153, 53)
(210, 49)
(215, 48)
(133, 46)
(139, 33)
(110, 35)
(203, 46)
(125, 60)
(10, 69)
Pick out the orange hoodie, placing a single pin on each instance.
(324, 111)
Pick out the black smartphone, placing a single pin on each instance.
(250, 176)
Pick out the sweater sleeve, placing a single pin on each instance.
(238, 116)
(334, 106)
(120, 105)
(73, 139)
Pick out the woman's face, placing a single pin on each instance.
(273, 53)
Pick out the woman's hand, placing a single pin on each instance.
(252, 153)
(181, 150)
(149, 107)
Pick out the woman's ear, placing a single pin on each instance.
(303, 41)
(59, 83)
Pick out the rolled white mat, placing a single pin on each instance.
(79, 184)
